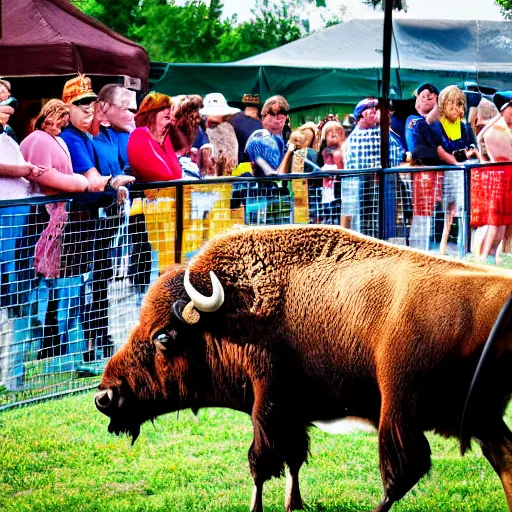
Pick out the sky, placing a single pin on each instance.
(422, 9)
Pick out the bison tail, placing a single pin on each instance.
(500, 329)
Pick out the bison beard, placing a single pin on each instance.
(132, 430)
(317, 323)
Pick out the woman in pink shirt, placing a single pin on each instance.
(44, 148)
(150, 151)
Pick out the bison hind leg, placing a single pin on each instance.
(496, 446)
(404, 455)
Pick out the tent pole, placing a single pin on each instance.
(386, 77)
(384, 111)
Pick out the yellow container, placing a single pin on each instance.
(160, 216)
(300, 193)
(136, 207)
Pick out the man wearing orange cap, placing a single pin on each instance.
(102, 169)
(82, 99)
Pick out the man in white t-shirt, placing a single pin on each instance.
(13, 185)
(14, 171)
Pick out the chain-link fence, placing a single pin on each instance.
(74, 270)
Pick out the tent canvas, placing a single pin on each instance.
(343, 63)
(52, 37)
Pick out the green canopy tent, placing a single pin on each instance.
(342, 64)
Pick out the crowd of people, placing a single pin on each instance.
(88, 141)
(104, 141)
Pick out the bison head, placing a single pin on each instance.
(157, 370)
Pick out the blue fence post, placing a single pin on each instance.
(382, 204)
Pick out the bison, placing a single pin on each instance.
(301, 323)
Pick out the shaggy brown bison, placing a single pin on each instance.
(296, 324)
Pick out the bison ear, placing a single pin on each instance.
(177, 308)
(185, 312)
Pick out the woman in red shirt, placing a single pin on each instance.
(150, 151)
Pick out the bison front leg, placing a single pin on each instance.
(292, 498)
(497, 449)
(294, 443)
(257, 497)
(296, 446)
(266, 457)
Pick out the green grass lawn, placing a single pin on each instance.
(58, 456)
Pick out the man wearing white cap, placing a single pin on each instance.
(220, 132)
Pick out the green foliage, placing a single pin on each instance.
(506, 8)
(57, 456)
(90, 7)
(121, 16)
(275, 24)
(197, 32)
(181, 34)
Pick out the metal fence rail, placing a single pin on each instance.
(74, 270)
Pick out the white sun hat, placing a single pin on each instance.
(216, 105)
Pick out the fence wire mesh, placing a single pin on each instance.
(73, 274)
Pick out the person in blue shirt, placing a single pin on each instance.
(274, 116)
(417, 132)
(97, 158)
(117, 106)
(452, 138)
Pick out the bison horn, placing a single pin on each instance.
(202, 303)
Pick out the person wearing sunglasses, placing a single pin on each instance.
(98, 160)
(86, 159)
(274, 116)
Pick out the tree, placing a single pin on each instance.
(189, 33)
(122, 16)
(506, 8)
(196, 32)
(90, 7)
(275, 24)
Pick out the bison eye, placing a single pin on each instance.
(163, 337)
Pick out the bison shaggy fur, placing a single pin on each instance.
(319, 323)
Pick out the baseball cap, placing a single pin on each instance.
(77, 89)
(502, 100)
(429, 87)
(364, 105)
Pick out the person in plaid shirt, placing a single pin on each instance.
(362, 151)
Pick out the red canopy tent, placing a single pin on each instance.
(53, 37)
